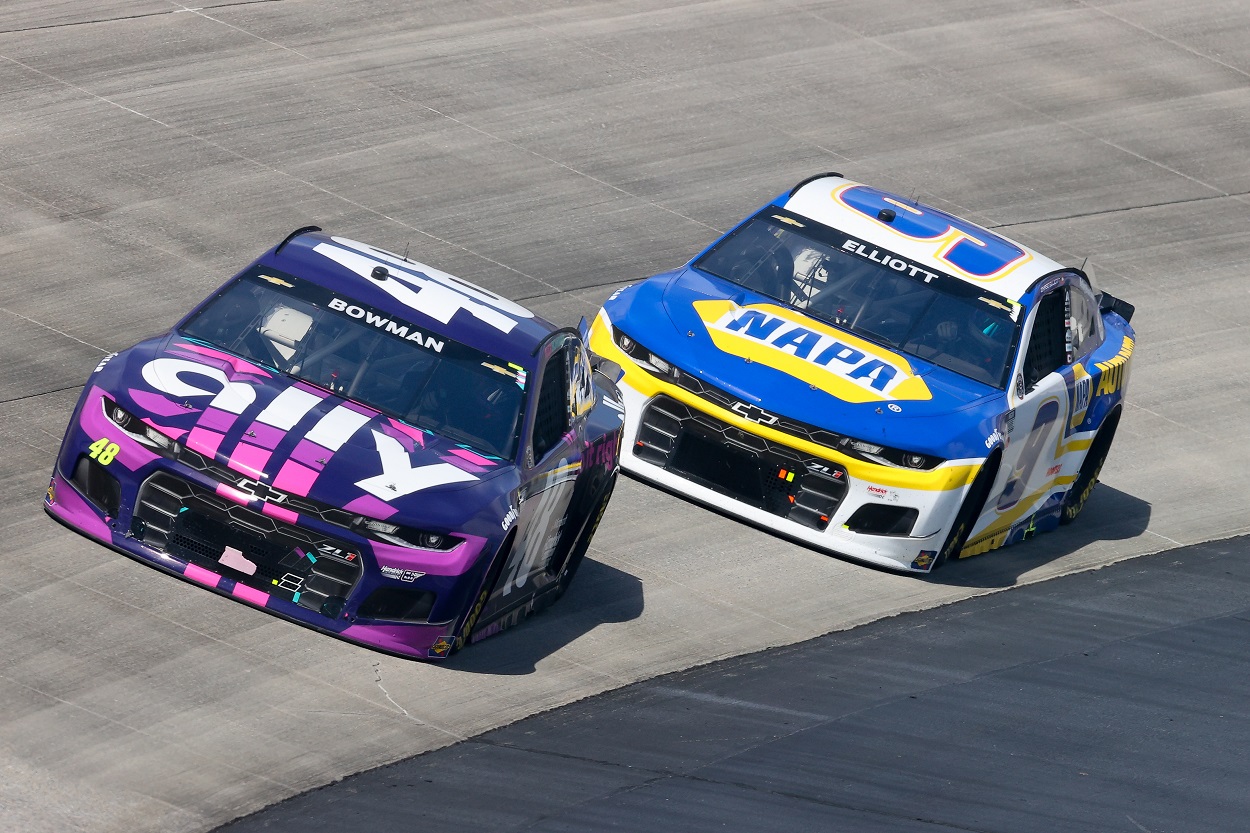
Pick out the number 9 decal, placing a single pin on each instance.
(973, 251)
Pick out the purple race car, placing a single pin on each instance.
(352, 441)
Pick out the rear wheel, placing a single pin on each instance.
(969, 511)
(1087, 478)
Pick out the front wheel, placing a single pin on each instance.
(1087, 478)
(968, 513)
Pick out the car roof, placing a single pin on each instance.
(921, 233)
(440, 303)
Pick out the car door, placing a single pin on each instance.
(552, 462)
(1040, 402)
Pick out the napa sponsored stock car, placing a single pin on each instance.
(353, 441)
(871, 376)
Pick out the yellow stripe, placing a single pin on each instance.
(936, 480)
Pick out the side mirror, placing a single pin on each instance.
(1110, 303)
(607, 368)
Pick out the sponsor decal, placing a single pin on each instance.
(788, 220)
(1113, 370)
(399, 477)
(441, 647)
(888, 259)
(276, 281)
(839, 363)
(509, 519)
(103, 362)
(883, 494)
(924, 560)
(993, 439)
(432, 292)
(50, 496)
(400, 575)
(1053, 470)
(966, 248)
(1079, 396)
(405, 331)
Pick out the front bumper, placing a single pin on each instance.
(302, 566)
(694, 447)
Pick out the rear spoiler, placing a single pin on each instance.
(1109, 303)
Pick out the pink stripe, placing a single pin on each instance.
(452, 563)
(416, 433)
(372, 507)
(360, 409)
(279, 513)
(463, 465)
(295, 479)
(471, 457)
(205, 577)
(315, 391)
(231, 493)
(266, 435)
(130, 454)
(215, 419)
(239, 365)
(249, 459)
(205, 442)
(311, 454)
(249, 594)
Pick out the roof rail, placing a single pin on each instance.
(813, 178)
(294, 234)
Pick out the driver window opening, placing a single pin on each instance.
(1048, 346)
(551, 420)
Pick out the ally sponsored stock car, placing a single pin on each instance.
(871, 376)
(353, 441)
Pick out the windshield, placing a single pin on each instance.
(869, 291)
(313, 334)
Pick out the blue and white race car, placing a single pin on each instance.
(871, 376)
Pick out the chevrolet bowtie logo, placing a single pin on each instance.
(260, 491)
(748, 411)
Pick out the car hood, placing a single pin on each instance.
(780, 360)
(264, 431)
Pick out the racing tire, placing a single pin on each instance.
(577, 552)
(465, 631)
(969, 511)
(1087, 478)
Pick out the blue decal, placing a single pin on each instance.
(977, 252)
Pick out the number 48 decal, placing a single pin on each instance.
(103, 451)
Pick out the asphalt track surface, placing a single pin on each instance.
(553, 151)
(1101, 701)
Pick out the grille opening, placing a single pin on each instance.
(398, 605)
(725, 469)
(100, 487)
(741, 465)
(193, 524)
(880, 519)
